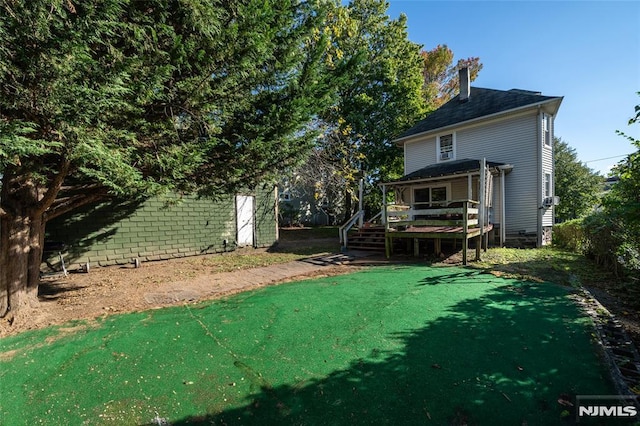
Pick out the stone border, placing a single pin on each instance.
(619, 351)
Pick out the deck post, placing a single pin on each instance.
(486, 241)
(465, 230)
(361, 201)
(387, 238)
(478, 244)
(465, 246)
(387, 245)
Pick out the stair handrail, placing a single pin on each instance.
(379, 215)
(344, 229)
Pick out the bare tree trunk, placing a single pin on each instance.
(23, 205)
(36, 247)
(348, 205)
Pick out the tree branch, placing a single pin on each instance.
(67, 204)
(54, 188)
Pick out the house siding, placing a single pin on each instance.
(495, 211)
(508, 141)
(511, 139)
(419, 154)
(460, 189)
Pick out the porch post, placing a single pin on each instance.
(465, 230)
(483, 201)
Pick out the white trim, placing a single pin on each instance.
(546, 194)
(545, 130)
(439, 158)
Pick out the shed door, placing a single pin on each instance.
(245, 219)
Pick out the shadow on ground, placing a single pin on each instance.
(504, 356)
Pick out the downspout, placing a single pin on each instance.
(503, 202)
(539, 178)
(503, 210)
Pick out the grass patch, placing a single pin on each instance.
(542, 264)
(295, 244)
(235, 261)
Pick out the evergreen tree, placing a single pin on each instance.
(135, 98)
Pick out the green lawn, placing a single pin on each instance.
(388, 345)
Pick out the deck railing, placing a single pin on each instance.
(456, 213)
(458, 219)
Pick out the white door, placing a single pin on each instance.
(245, 219)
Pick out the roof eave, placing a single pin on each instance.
(554, 103)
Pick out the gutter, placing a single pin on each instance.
(506, 168)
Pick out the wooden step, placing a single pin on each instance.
(367, 238)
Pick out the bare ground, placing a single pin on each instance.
(120, 289)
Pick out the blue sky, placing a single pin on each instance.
(586, 51)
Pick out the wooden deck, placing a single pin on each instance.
(457, 223)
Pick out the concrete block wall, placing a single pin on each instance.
(119, 231)
(266, 218)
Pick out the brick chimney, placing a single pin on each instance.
(465, 84)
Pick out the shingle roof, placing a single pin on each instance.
(446, 169)
(481, 102)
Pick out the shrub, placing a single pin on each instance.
(612, 243)
(602, 238)
(569, 235)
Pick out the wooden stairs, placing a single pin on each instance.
(367, 238)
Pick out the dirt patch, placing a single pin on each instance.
(120, 289)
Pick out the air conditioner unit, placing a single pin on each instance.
(446, 155)
(550, 201)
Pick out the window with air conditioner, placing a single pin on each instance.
(446, 147)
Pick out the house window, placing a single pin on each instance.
(430, 196)
(446, 147)
(547, 185)
(546, 130)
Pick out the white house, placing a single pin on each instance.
(494, 147)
